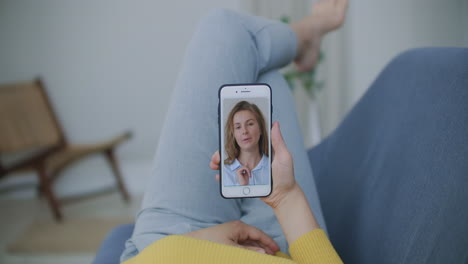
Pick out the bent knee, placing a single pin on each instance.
(220, 16)
(222, 21)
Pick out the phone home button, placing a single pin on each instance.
(246, 190)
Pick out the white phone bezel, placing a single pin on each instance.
(244, 91)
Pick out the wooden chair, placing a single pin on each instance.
(28, 124)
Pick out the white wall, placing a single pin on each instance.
(108, 65)
(111, 65)
(376, 31)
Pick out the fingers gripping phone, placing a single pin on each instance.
(244, 117)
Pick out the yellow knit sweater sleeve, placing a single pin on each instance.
(313, 247)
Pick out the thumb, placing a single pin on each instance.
(277, 140)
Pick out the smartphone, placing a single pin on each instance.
(244, 118)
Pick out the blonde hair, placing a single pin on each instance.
(230, 144)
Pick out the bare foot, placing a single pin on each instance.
(326, 16)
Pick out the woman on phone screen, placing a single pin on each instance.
(246, 144)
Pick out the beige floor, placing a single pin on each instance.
(17, 214)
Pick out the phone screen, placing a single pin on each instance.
(245, 125)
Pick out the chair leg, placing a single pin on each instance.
(46, 189)
(118, 176)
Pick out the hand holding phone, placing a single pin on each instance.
(287, 199)
(282, 168)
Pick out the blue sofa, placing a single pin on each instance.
(393, 177)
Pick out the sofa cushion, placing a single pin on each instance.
(393, 177)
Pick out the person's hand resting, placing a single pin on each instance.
(238, 234)
(282, 168)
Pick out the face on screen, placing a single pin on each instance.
(246, 143)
